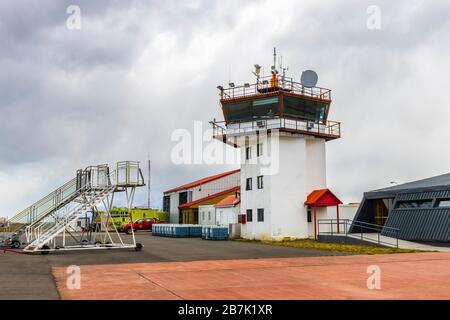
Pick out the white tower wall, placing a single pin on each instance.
(301, 169)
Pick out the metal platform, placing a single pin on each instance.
(329, 130)
(53, 222)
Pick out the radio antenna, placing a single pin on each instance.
(274, 67)
(148, 182)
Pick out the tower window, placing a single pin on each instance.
(419, 204)
(248, 185)
(259, 149)
(249, 215)
(309, 214)
(443, 203)
(260, 215)
(248, 153)
(260, 182)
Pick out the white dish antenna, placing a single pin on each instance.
(309, 78)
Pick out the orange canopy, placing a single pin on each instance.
(322, 198)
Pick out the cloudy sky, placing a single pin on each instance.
(118, 87)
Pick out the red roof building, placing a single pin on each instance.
(182, 202)
(189, 211)
(202, 181)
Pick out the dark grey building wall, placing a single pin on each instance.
(364, 214)
(420, 224)
(430, 224)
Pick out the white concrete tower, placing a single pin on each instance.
(281, 127)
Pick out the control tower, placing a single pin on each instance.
(281, 127)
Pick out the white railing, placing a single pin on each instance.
(327, 129)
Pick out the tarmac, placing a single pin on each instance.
(169, 268)
(24, 276)
(378, 277)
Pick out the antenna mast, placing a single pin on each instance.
(148, 181)
(283, 69)
(274, 59)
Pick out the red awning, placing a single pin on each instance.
(322, 198)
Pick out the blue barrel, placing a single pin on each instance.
(181, 231)
(195, 231)
(218, 233)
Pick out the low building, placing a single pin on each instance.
(197, 190)
(228, 210)
(419, 210)
(189, 212)
(207, 215)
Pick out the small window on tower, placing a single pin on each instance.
(248, 185)
(249, 215)
(259, 149)
(260, 182)
(309, 214)
(248, 153)
(260, 215)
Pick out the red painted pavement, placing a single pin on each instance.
(403, 276)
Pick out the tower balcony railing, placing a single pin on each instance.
(328, 130)
(266, 86)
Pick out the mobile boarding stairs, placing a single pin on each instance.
(54, 222)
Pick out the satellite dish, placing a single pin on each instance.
(309, 78)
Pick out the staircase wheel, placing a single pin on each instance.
(138, 247)
(45, 250)
(15, 244)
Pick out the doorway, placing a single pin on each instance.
(381, 208)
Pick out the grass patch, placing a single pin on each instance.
(335, 247)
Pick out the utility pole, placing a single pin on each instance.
(148, 181)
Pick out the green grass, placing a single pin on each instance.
(334, 247)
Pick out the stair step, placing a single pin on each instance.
(91, 198)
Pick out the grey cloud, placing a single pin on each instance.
(137, 70)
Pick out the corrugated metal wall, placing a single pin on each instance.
(414, 224)
(216, 186)
(421, 224)
(364, 214)
(422, 195)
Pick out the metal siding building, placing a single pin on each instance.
(196, 190)
(420, 209)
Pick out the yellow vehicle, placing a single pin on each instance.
(121, 217)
